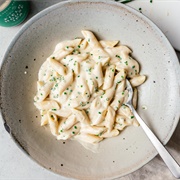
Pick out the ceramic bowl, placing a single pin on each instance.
(108, 20)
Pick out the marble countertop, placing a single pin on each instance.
(16, 165)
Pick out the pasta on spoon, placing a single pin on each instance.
(81, 89)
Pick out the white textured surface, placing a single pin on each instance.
(16, 165)
(165, 14)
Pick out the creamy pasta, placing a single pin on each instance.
(81, 89)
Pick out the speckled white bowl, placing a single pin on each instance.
(108, 20)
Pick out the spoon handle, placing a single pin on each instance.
(167, 158)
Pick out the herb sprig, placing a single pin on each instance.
(123, 1)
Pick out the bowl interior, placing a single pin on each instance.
(111, 21)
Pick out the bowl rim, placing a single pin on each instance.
(48, 10)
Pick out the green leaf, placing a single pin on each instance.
(123, 1)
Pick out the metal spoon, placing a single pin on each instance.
(167, 158)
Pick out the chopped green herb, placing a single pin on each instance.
(78, 76)
(122, 77)
(41, 94)
(89, 40)
(79, 46)
(53, 79)
(54, 109)
(119, 101)
(126, 63)
(112, 70)
(99, 112)
(118, 82)
(151, 1)
(133, 67)
(73, 132)
(71, 90)
(96, 77)
(61, 131)
(91, 54)
(140, 9)
(75, 63)
(67, 47)
(56, 96)
(81, 86)
(75, 127)
(99, 134)
(118, 56)
(53, 57)
(67, 89)
(56, 85)
(123, 93)
(135, 71)
(132, 117)
(65, 93)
